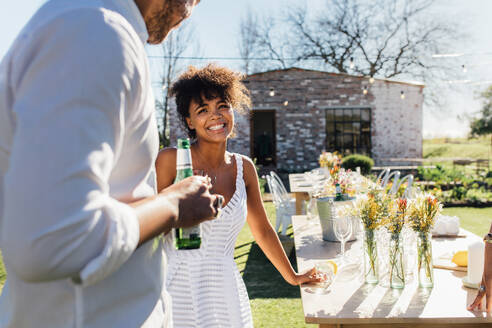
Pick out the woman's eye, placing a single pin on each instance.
(201, 110)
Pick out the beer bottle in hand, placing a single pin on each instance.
(185, 238)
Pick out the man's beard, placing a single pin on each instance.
(171, 15)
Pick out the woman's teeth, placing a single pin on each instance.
(217, 127)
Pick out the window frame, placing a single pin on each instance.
(336, 131)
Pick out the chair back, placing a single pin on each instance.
(382, 177)
(276, 191)
(408, 189)
(279, 181)
(395, 176)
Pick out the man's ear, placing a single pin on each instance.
(190, 125)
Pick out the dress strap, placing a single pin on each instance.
(239, 167)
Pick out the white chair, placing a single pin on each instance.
(284, 204)
(395, 175)
(382, 177)
(408, 189)
(285, 194)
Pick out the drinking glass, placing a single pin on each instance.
(317, 183)
(343, 229)
(324, 270)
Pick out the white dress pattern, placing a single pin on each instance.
(206, 287)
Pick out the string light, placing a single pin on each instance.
(464, 68)
(402, 94)
(364, 91)
(272, 92)
(371, 80)
(286, 103)
(352, 65)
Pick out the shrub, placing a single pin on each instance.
(352, 161)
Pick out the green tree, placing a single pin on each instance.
(482, 125)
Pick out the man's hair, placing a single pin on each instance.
(210, 82)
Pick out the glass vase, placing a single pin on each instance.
(424, 259)
(396, 269)
(370, 257)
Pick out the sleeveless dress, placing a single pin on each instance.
(205, 285)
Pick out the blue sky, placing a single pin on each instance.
(216, 23)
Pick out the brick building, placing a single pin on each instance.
(297, 113)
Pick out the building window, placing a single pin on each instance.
(348, 130)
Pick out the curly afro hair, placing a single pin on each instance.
(210, 82)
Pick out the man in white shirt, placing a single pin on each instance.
(79, 208)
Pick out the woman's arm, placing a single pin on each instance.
(263, 232)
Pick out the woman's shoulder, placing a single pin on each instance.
(249, 168)
(166, 157)
(245, 159)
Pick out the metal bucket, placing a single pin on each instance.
(327, 218)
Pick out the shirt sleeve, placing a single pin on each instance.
(73, 83)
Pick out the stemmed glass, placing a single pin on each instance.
(324, 270)
(343, 229)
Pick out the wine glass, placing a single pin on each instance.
(343, 229)
(324, 270)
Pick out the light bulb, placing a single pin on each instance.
(402, 94)
(364, 91)
(286, 103)
(371, 80)
(464, 68)
(352, 65)
(272, 92)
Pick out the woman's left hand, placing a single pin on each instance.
(308, 277)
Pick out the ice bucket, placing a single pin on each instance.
(327, 217)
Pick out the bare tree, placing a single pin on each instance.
(384, 38)
(248, 36)
(261, 43)
(178, 43)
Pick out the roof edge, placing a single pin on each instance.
(413, 83)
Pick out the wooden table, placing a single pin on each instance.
(355, 304)
(300, 187)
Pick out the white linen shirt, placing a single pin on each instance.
(78, 140)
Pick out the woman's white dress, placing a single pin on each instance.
(205, 285)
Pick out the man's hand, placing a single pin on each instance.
(196, 204)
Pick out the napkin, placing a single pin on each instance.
(446, 225)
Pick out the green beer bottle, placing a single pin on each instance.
(338, 192)
(185, 238)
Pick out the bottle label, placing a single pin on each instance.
(183, 159)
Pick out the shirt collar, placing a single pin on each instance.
(129, 10)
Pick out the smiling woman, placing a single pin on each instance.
(207, 100)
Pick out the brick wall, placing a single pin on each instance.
(300, 126)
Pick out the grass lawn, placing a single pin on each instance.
(457, 147)
(277, 304)
(476, 220)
